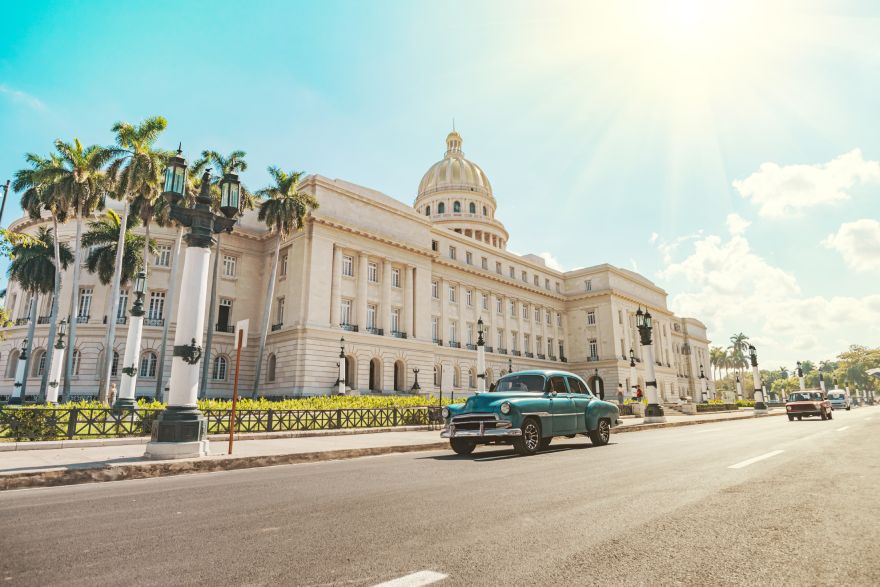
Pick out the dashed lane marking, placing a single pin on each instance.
(842, 429)
(415, 580)
(753, 460)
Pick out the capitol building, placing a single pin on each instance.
(403, 284)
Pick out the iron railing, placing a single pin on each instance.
(374, 330)
(349, 327)
(43, 320)
(277, 327)
(224, 327)
(21, 321)
(68, 423)
(398, 334)
(154, 321)
(82, 319)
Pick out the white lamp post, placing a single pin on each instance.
(481, 357)
(57, 364)
(341, 381)
(800, 374)
(181, 431)
(739, 388)
(822, 383)
(654, 411)
(633, 374)
(125, 398)
(20, 372)
(704, 388)
(760, 405)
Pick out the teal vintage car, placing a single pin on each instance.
(527, 409)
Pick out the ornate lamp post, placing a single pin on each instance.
(416, 388)
(633, 375)
(800, 374)
(57, 364)
(654, 411)
(125, 398)
(340, 381)
(20, 375)
(760, 406)
(509, 365)
(704, 393)
(481, 356)
(739, 388)
(821, 383)
(180, 431)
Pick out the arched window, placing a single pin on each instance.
(436, 376)
(350, 371)
(270, 368)
(399, 376)
(484, 211)
(441, 208)
(12, 363)
(148, 364)
(38, 363)
(427, 210)
(456, 207)
(472, 378)
(375, 375)
(456, 377)
(473, 208)
(218, 373)
(76, 359)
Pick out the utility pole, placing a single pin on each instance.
(3, 205)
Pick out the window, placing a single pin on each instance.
(537, 314)
(456, 377)
(456, 207)
(524, 276)
(547, 317)
(435, 246)
(163, 256)
(525, 311)
(470, 333)
(550, 347)
(500, 336)
(577, 386)
(453, 337)
(498, 306)
(469, 297)
(85, 302)
(279, 314)
(498, 267)
(452, 289)
(371, 316)
(558, 319)
(620, 317)
(591, 317)
(452, 252)
(76, 359)
(512, 272)
(270, 368)
(229, 263)
(561, 349)
(484, 263)
(558, 288)
(436, 375)
(537, 281)
(472, 208)
(395, 320)
(345, 313)
(513, 341)
(372, 273)
(12, 363)
(527, 343)
(395, 277)
(347, 266)
(435, 290)
(485, 301)
(472, 375)
(282, 267)
(114, 367)
(427, 210)
(512, 308)
(435, 328)
(588, 285)
(148, 365)
(441, 208)
(157, 306)
(218, 373)
(469, 258)
(123, 304)
(594, 349)
(546, 284)
(39, 364)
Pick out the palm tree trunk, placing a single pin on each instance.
(53, 314)
(212, 317)
(74, 296)
(30, 344)
(114, 306)
(264, 330)
(172, 290)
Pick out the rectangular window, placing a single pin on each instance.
(372, 273)
(435, 290)
(498, 267)
(525, 311)
(345, 314)
(395, 277)
(558, 319)
(347, 266)
(500, 336)
(591, 317)
(469, 258)
(163, 256)
(512, 272)
(469, 297)
(470, 333)
(547, 284)
(452, 252)
(527, 342)
(157, 306)
(620, 316)
(282, 265)
(512, 308)
(485, 263)
(280, 313)
(547, 317)
(485, 301)
(229, 263)
(561, 349)
(452, 289)
(498, 306)
(395, 320)
(588, 285)
(452, 332)
(123, 304)
(537, 281)
(550, 347)
(537, 314)
(514, 345)
(524, 276)
(371, 316)
(435, 246)
(558, 288)
(435, 328)
(85, 302)
(594, 349)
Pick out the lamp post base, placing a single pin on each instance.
(654, 414)
(760, 409)
(179, 432)
(124, 403)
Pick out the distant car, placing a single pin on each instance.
(839, 400)
(527, 409)
(808, 403)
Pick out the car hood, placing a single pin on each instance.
(490, 402)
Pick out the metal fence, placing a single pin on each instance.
(69, 423)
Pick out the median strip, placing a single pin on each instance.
(754, 460)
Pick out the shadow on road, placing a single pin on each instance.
(504, 453)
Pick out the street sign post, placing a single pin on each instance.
(241, 329)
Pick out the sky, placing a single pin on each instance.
(728, 151)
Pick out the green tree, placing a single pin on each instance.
(283, 210)
(739, 349)
(102, 240)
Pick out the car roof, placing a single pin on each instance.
(544, 372)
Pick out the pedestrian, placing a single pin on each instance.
(638, 393)
(111, 395)
(620, 393)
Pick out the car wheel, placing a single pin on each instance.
(830, 415)
(823, 415)
(462, 446)
(800, 418)
(847, 408)
(601, 435)
(530, 441)
(790, 418)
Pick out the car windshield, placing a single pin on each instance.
(799, 397)
(835, 396)
(521, 383)
(816, 396)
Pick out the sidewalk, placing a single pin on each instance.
(88, 463)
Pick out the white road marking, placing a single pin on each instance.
(748, 462)
(842, 429)
(414, 580)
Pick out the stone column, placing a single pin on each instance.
(20, 378)
(493, 321)
(55, 373)
(462, 318)
(362, 292)
(336, 287)
(505, 313)
(125, 398)
(386, 297)
(408, 313)
(443, 327)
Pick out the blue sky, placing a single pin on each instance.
(610, 134)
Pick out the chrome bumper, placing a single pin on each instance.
(488, 433)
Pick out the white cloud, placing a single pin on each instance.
(858, 243)
(783, 190)
(736, 224)
(654, 237)
(22, 97)
(551, 261)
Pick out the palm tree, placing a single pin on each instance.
(283, 211)
(102, 238)
(739, 347)
(77, 173)
(135, 164)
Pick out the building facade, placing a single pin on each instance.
(405, 287)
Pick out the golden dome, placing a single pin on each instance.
(454, 173)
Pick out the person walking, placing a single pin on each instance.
(638, 393)
(620, 393)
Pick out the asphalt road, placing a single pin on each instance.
(656, 507)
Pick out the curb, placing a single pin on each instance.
(171, 468)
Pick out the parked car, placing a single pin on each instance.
(808, 403)
(527, 409)
(839, 400)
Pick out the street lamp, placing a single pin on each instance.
(416, 387)
(703, 391)
(739, 389)
(20, 374)
(57, 364)
(633, 376)
(340, 381)
(760, 405)
(180, 431)
(821, 383)
(509, 365)
(125, 399)
(654, 411)
(481, 356)
(800, 374)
